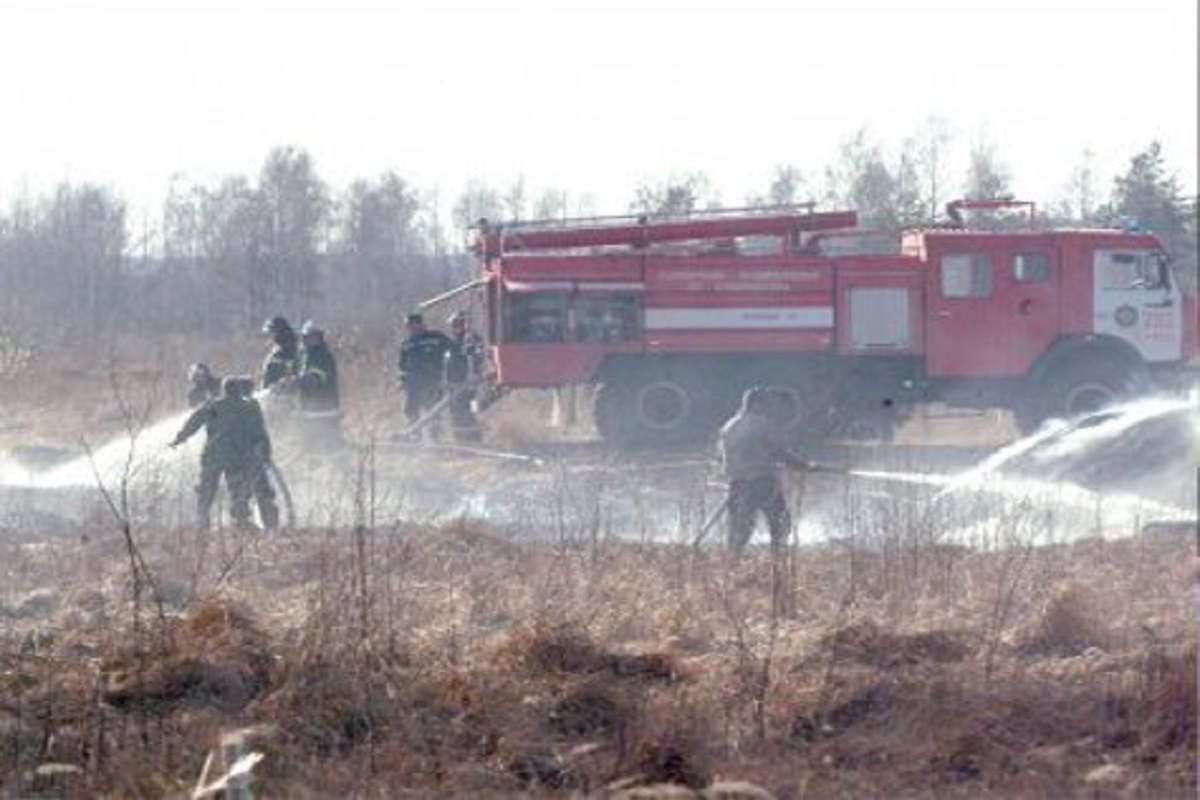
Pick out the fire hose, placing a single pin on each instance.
(720, 510)
(289, 507)
(448, 392)
(710, 522)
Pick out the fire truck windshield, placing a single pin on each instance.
(1136, 270)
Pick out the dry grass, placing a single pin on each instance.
(420, 660)
(440, 661)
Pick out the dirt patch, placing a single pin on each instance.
(217, 655)
(867, 643)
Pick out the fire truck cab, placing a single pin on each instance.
(1051, 323)
(672, 319)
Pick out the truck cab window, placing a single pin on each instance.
(537, 317)
(967, 275)
(1131, 270)
(1031, 267)
(1162, 265)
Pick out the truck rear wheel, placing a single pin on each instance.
(800, 412)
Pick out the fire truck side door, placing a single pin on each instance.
(992, 309)
(1135, 300)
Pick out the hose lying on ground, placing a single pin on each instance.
(289, 507)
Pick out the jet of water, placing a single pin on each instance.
(974, 476)
(124, 456)
(1075, 442)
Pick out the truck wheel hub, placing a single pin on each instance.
(663, 405)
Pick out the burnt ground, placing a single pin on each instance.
(1107, 477)
(414, 634)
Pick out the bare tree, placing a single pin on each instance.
(885, 197)
(787, 186)
(1082, 191)
(295, 208)
(551, 204)
(560, 204)
(927, 149)
(987, 176)
(477, 201)
(231, 242)
(191, 299)
(380, 248)
(514, 200)
(679, 195)
(66, 258)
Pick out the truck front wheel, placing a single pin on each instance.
(1081, 388)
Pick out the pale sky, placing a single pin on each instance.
(588, 96)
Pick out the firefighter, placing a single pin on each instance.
(463, 368)
(202, 385)
(236, 447)
(752, 452)
(283, 358)
(421, 363)
(316, 378)
(319, 418)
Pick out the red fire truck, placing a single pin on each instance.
(672, 319)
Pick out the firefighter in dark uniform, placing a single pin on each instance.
(237, 447)
(318, 418)
(317, 378)
(283, 359)
(463, 368)
(202, 385)
(752, 452)
(422, 359)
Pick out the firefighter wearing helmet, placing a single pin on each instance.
(317, 378)
(283, 358)
(202, 385)
(462, 369)
(237, 448)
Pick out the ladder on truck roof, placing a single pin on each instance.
(640, 231)
(955, 209)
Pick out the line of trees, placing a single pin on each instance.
(221, 258)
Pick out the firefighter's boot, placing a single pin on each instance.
(268, 514)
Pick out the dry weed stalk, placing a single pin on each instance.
(452, 660)
(1009, 578)
(140, 575)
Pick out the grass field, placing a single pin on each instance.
(393, 655)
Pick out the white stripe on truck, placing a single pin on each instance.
(738, 318)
